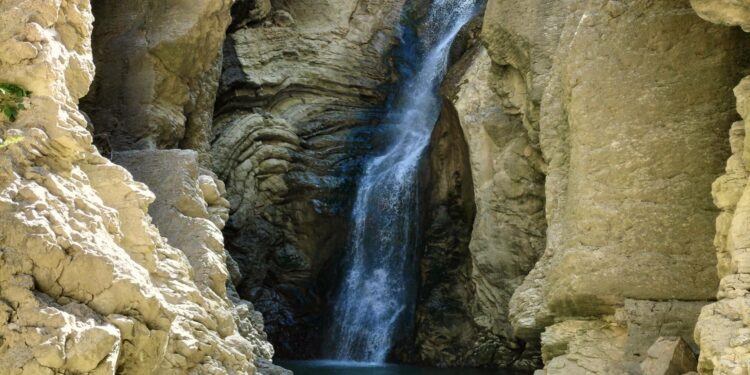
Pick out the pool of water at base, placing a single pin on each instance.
(323, 367)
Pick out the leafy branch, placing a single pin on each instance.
(11, 99)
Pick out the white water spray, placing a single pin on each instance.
(377, 292)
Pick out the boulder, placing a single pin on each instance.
(669, 356)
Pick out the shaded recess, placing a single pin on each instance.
(445, 289)
(301, 94)
(157, 66)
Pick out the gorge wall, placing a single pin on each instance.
(594, 131)
(568, 216)
(88, 283)
(629, 104)
(722, 326)
(157, 66)
(302, 89)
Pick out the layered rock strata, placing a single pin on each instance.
(88, 284)
(302, 90)
(495, 204)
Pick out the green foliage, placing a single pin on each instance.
(10, 141)
(11, 99)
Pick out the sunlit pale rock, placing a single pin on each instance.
(87, 282)
(633, 132)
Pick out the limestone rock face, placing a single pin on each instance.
(445, 331)
(181, 211)
(669, 356)
(617, 171)
(505, 237)
(646, 321)
(508, 232)
(619, 343)
(190, 211)
(302, 88)
(722, 331)
(584, 347)
(568, 212)
(724, 12)
(158, 65)
(628, 216)
(88, 284)
(522, 42)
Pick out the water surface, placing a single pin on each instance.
(358, 368)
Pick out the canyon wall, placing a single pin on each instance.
(594, 130)
(158, 65)
(491, 188)
(302, 90)
(722, 328)
(88, 283)
(568, 214)
(444, 328)
(629, 104)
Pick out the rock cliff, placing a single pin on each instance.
(629, 104)
(489, 220)
(157, 70)
(302, 89)
(88, 283)
(210, 170)
(596, 161)
(722, 327)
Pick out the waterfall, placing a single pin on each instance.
(377, 291)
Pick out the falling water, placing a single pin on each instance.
(377, 294)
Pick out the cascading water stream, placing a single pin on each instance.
(377, 294)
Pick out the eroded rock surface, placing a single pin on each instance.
(505, 227)
(722, 332)
(582, 134)
(598, 256)
(302, 88)
(445, 332)
(724, 12)
(584, 347)
(190, 210)
(88, 284)
(669, 356)
(181, 210)
(158, 65)
(607, 91)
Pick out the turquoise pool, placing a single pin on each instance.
(357, 368)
